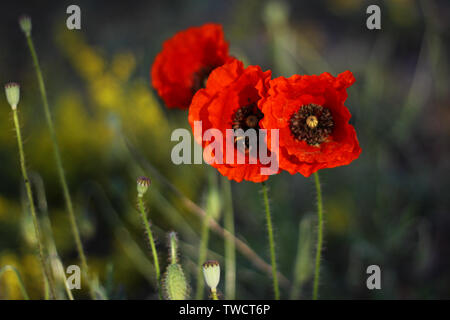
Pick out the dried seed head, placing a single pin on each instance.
(175, 284)
(12, 90)
(25, 24)
(211, 271)
(142, 185)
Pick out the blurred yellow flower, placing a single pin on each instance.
(123, 65)
(8, 281)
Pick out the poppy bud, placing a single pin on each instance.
(12, 94)
(25, 24)
(175, 284)
(142, 185)
(211, 271)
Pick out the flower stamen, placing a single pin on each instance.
(246, 117)
(312, 123)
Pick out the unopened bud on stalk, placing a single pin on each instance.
(173, 242)
(12, 90)
(211, 271)
(175, 283)
(25, 24)
(142, 185)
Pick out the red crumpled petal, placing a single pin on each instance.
(182, 56)
(286, 96)
(229, 87)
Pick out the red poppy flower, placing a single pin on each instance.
(230, 101)
(186, 61)
(309, 112)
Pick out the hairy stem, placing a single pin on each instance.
(319, 236)
(271, 243)
(230, 247)
(48, 280)
(241, 246)
(202, 257)
(148, 231)
(59, 165)
(53, 255)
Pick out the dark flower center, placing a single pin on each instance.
(312, 123)
(247, 117)
(200, 77)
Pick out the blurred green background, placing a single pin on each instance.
(390, 207)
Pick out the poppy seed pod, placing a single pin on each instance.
(25, 24)
(211, 271)
(12, 94)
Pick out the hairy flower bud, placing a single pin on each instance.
(175, 284)
(142, 185)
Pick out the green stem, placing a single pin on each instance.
(214, 294)
(49, 240)
(48, 231)
(271, 243)
(319, 236)
(230, 247)
(47, 290)
(148, 231)
(60, 270)
(19, 279)
(202, 256)
(49, 284)
(59, 165)
(303, 267)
